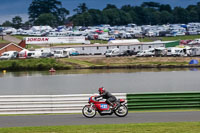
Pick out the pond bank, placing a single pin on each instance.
(97, 63)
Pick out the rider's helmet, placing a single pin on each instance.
(101, 90)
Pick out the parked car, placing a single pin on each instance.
(127, 53)
(46, 55)
(74, 53)
(9, 55)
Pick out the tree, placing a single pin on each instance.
(54, 7)
(81, 8)
(7, 24)
(26, 25)
(165, 8)
(180, 15)
(96, 16)
(46, 19)
(17, 22)
(193, 16)
(141, 15)
(147, 13)
(126, 8)
(166, 17)
(110, 6)
(62, 15)
(125, 18)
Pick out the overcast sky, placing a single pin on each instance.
(12, 8)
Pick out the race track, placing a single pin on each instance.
(78, 119)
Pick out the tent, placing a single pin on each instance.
(193, 61)
(99, 31)
(172, 44)
(106, 30)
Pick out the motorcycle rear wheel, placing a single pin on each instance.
(121, 111)
(87, 112)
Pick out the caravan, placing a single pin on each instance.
(149, 52)
(34, 54)
(195, 51)
(174, 51)
(61, 53)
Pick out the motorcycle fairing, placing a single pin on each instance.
(102, 106)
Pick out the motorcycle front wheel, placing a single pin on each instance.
(121, 111)
(87, 112)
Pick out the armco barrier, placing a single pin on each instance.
(159, 101)
(41, 104)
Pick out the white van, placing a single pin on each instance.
(173, 51)
(34, 54)
(145, 53)
(112, 52)
(61, 53)
(9, 55)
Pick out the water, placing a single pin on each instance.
(88, 81)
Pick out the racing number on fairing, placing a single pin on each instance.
(104, 106)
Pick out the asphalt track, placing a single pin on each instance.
(78, 119)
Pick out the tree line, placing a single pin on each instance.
(51, 12)
(147, 13)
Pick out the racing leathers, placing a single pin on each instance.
(110, 99)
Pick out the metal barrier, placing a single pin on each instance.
(190, 100)
(41, 104)
(45, 104)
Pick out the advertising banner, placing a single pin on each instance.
(55, 40)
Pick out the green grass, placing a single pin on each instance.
(171, 127)
(91, 63)
(31, 46)
(32, 64)
(21, 37)
(186, 37)
(3, 41)
(98, 41)
(78, 63)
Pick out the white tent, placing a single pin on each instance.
(124, 41)
(41, 28)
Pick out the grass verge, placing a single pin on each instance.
(96, 63)
(3, 41)
(186, 37)
(171, 127)
(32, 64)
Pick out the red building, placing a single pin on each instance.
(10, 47)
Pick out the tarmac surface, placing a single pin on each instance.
(78, 119)
(12, 39)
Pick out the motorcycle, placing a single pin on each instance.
(103, 108)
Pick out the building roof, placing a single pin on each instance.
(2, 46)
(119, 44)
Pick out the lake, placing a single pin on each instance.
(88, 81)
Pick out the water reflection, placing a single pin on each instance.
(90, 71)
(87, 81)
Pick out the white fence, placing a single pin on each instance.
(42, 104)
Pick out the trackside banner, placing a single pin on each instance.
(54, 40)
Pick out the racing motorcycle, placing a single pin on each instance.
(96, 105)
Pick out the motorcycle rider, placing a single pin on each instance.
(110, 99)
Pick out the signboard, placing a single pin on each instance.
(55, 40)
